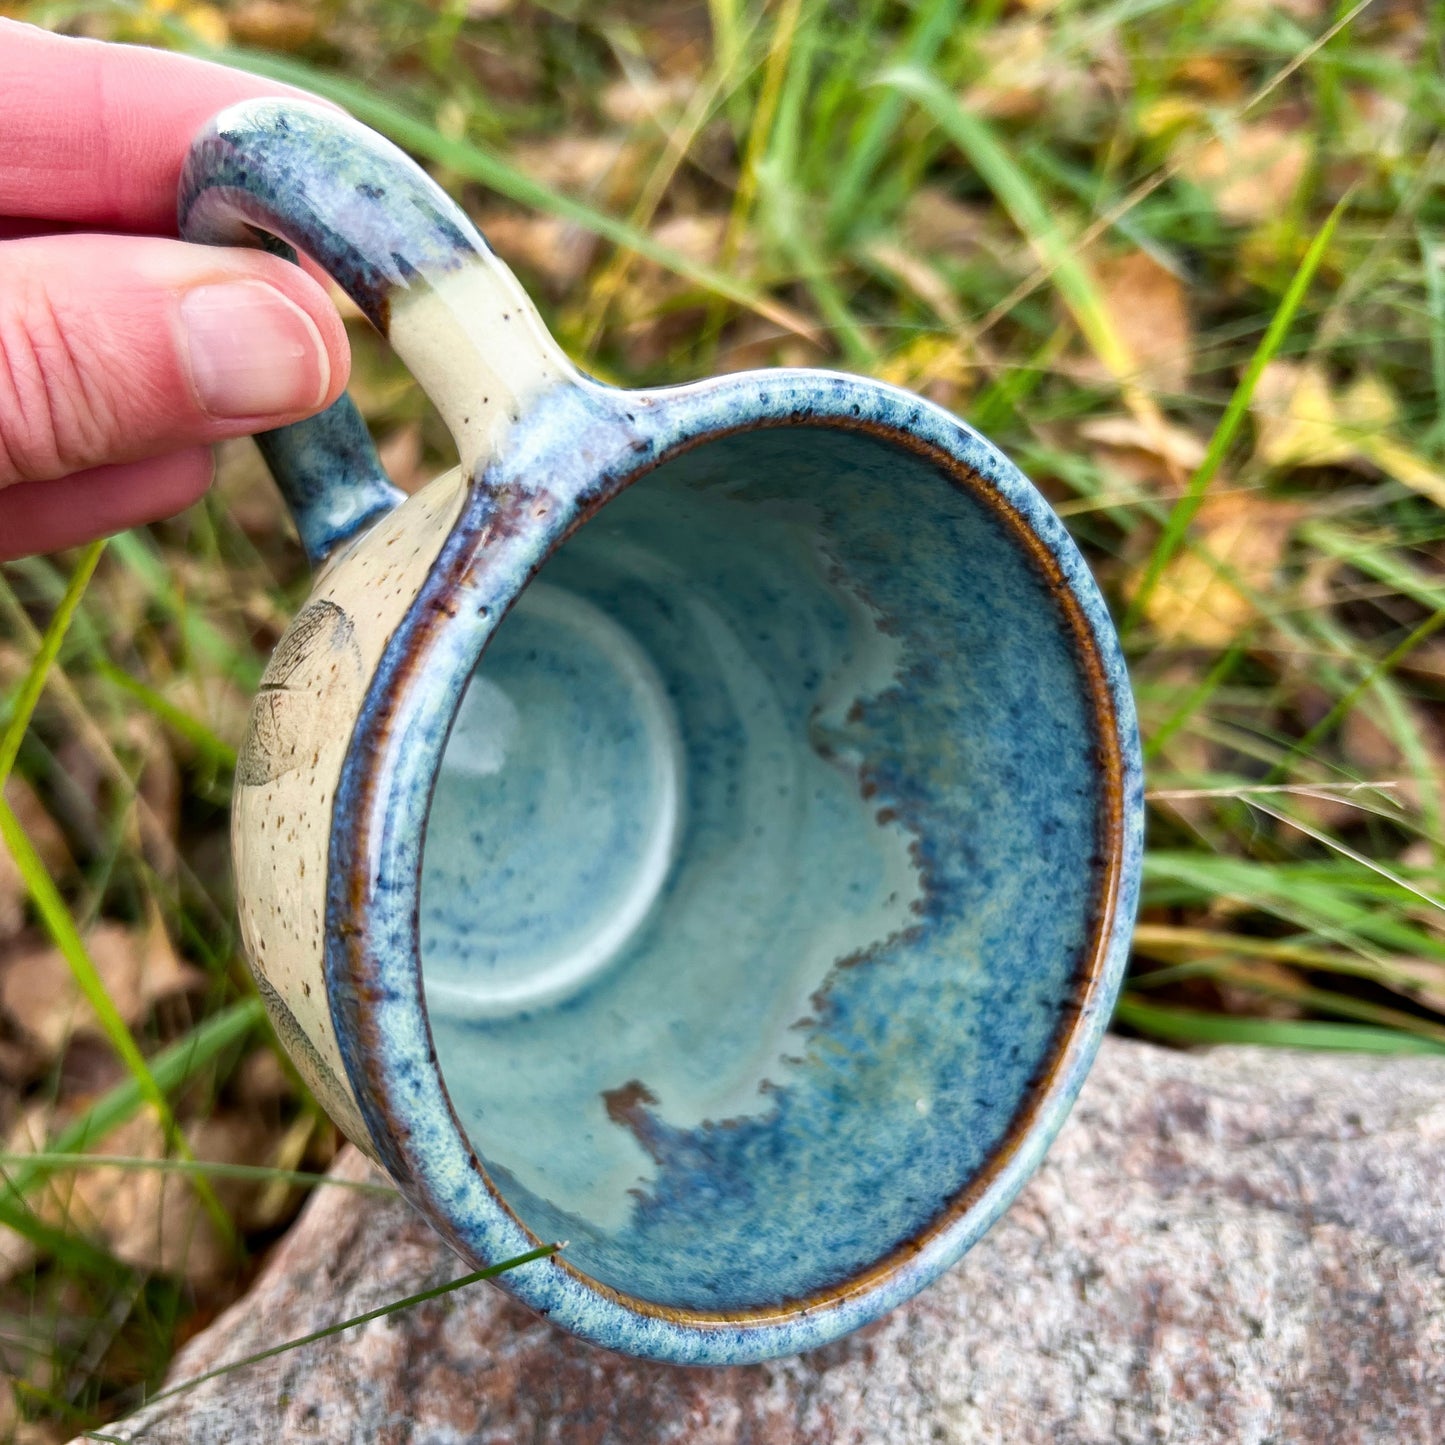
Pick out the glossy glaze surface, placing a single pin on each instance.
(876, 770)
(741, 899)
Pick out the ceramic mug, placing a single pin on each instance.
(704, 826)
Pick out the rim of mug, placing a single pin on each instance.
(373, 965)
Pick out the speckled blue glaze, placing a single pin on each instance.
(991, 1050)
(290, 177)
(823, 579)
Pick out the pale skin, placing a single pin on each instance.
(125, 354)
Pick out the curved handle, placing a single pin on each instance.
(292, 176)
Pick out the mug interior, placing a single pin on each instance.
(763, 867)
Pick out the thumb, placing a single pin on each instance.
(116, 348)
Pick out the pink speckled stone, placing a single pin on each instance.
(1241, 1246)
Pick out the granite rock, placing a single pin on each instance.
(1239, 1246)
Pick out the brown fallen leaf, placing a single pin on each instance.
(546, 246)
(261, 1082)
(1149, 308)
(1220, 77)
(1251, 171)
(273, 24)
(1026, 73)
(920, 277)
(1301, 421)
(1126, 440)
(138, 966)
(640, 100)
(578, 164)
(1193, 604)
(1256, 11)
(937, 224)
(152, 1219)
(400, 454)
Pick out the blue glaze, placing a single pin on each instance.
(370, 217)
(962, 1013)
(286, 177)
(762, 574)
(745, 903)
(330, 475)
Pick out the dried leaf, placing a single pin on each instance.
(400, 455)
(1217, 76)
(936, 224)
(576, 164)
(1370, 749)
(1175, 444)
(920, 278)
(261, 1082)
(1149, 309)
(1152, 454)
(273, 24)
(1299, 421)
(150, 1218)
(1193, 604)
(1252, 171)
(1296, 419)
(633, 101)
(138, 967)
(276, 1201)
(1027, 73)
(1250, 12)
(547, 246)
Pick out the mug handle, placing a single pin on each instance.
(289, 176)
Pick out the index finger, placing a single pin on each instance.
(96, 133)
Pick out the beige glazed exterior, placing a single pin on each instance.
(307, 703)
(286, 777)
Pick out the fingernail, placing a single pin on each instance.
(252, 351)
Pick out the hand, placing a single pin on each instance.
(124, 353)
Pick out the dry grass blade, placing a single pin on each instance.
(545, 1251)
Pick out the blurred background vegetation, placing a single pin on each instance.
(1183, 259)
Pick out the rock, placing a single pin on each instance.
(1240, 1246)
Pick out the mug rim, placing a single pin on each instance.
(373, 969)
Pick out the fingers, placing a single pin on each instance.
(97, 133)
(116, 348)
(46, 516)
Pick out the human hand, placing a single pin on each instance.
(124, 352)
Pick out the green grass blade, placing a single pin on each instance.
(1026, 208)
(23, 707)
(1188, 1026)
(171, 1068)
(64, 1246)
(1186, 508)
(505, 179)
(52, 1162)
(930, 30)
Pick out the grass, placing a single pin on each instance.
(1185, 261)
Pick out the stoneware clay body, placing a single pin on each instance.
(704, 827)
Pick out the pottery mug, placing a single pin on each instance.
(703, 827)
